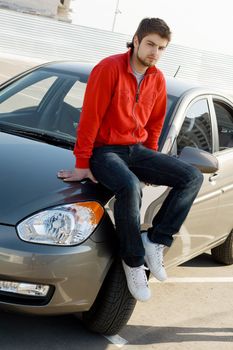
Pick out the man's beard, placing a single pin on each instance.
(144, 63)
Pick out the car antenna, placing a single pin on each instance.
(176, 72)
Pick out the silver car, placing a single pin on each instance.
(58, 248)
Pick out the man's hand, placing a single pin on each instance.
(77, 174)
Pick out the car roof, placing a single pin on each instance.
(175, 86)
(73, 67)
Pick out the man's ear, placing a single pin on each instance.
(135, 41)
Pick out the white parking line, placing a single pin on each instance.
(116, 340)
(195, 280)
(30, 96)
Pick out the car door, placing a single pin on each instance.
(223, 111)
(193, 119)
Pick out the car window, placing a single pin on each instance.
(28, 97)
(69, 110)
(68, 113)
(196, 129)
(224, 115)
(75, 95)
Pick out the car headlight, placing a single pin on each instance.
(65, 225)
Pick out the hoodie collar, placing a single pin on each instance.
(128, 54)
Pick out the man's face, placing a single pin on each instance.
(148, 52)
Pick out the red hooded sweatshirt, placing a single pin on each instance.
(116, 111)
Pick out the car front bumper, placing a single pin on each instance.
(74, 274)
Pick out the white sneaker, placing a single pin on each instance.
(137, 282)
(154, 258)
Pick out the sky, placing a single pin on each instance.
(201, 24)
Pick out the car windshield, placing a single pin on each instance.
(48, 102)
(43, 101)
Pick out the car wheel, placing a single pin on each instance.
(224, 252)
(113, 305)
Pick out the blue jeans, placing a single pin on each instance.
(120, 169)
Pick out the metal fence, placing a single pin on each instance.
(44, 38)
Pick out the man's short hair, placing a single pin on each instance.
(150, 26)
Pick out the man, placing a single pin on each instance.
(117, 140)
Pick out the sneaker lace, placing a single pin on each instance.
(158, 251)
(139, 276)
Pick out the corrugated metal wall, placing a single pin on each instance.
(39, 37)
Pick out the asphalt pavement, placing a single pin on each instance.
(192, 310)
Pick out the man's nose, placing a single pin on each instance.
(155, 51)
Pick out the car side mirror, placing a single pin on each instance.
(204, 161)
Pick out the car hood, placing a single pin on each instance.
(28, 181)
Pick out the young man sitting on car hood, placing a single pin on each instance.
(117, 141)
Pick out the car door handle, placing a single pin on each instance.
(213, 177)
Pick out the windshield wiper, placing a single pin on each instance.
(41, 135)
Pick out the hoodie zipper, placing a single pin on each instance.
(133, 111)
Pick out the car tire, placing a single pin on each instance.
(113, 305)
(224, 252)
